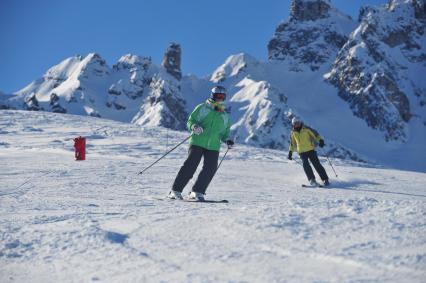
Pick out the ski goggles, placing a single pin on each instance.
(219, 96)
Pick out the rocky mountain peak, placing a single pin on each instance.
(234, 65)
(93, 63)
(312, 37)
(64, 69)
(172, 59)
(129, 61)
(309, 10)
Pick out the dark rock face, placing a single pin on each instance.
(420, 9)
(312, 37)
(31, 103)
(303, 46)
(137, 69)
(365, 10)
(54, 104)
(4, 104)
(309, 10)
(95, 66)
(173, 113)
(163, 106)
(172, 60)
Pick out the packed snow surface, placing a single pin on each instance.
(98, 220)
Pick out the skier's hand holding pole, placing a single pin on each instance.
(230, 143)
(196, 130)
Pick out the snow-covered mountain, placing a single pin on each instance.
(358, 83)
(380, 70)
(133, 90)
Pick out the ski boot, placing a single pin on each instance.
(195, 196)
(175, 195)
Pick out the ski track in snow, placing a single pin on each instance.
(98, 220)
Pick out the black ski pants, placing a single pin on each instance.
(190, 166)
(313, 157)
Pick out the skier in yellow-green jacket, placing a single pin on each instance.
(210, 126)
(304, 140)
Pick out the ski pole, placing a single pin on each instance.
(331, 165)
(222, 159)
(229, 147)
(187, 138)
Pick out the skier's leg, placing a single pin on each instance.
(317, 164)
(188, 168)
(306, 166)
(209, 169)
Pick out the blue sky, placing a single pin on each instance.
(35, 35)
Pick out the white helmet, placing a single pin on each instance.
(295, 120)
(218, 91)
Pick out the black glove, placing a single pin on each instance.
(230, 143)
(290, 155)
(321, 143)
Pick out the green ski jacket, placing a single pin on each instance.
(216, 126)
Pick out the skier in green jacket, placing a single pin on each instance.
(210, 125)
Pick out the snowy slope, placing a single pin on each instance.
(97, 220)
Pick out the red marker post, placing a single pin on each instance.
(80, 148)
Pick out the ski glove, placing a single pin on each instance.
(321, 143)
(290, 155)
(197, 129)
(230, 143)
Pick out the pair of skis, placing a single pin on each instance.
(193, 200)
(314, 186)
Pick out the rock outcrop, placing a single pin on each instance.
(312, 37)
(172, 60)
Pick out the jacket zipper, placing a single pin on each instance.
(209, 140)
(211, 125)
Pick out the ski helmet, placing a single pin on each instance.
(296, 120)
(218, 92)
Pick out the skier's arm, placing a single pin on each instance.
(313, 133)
(317, 137)
(193, 117)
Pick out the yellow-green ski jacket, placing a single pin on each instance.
(304, 140)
